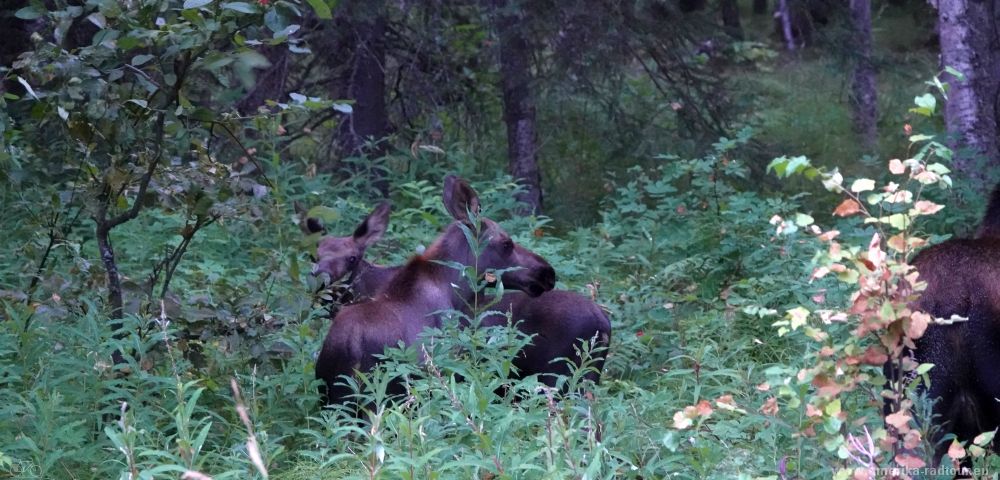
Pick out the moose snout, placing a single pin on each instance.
(547, 277)
(544, 279)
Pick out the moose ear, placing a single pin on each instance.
(374, 225)
(307, 224)
(460, 198)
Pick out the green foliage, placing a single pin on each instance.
(680, 253)
(670, 260)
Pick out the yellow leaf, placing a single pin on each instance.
(798, 316)
(862, 185)
(925, 207)
(897, 242)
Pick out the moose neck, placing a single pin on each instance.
(370, 279)
(452, 247)
(425, 279)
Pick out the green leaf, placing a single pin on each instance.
(321, 8)
(287, 31)
(803, 220)
(899, 221)
(252, 59)
(31, 91)
(294, 271)
(29, 13)
(984, 439)
(955, 73)
(203, 114)
(938, 168)
(189, 4)
(241, 7)
(141, 59)
(798, 164)
(926, 105)
(926, 100)
(274, 20)
(326, 214)
(786, 167)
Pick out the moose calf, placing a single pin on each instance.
(410, 301)
(559, 321)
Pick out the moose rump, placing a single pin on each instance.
(558, 322)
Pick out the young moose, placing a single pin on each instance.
(339, 257)
(963, 278)
(559, 321)
(423, 287)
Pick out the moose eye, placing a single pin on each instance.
(352, 260)
(508, 245)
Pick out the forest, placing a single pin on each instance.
(499, 239)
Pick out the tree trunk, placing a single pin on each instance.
(864, 95)
(518, 107)
(270, 84)
(969, 45)
(107, 251)
(16, 40)
(786, 24)
(759, 7)
(730, 11)
(368, 121)
(691, 5)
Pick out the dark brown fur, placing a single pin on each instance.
(409, 303)
(558, 322)
(963, 278)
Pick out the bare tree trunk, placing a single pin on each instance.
(369, 120)
(270, 83)
(691, 5)
(864, 94)
(104, 223)
(16, 39)
(969, 45)
(518, 106)
(759, 7)
(730, 11)
(786, 24)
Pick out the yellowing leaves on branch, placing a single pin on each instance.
(883, 327)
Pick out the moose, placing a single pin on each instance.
(422, 288)
(963, 279)
(559, 320)
(339, 257)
